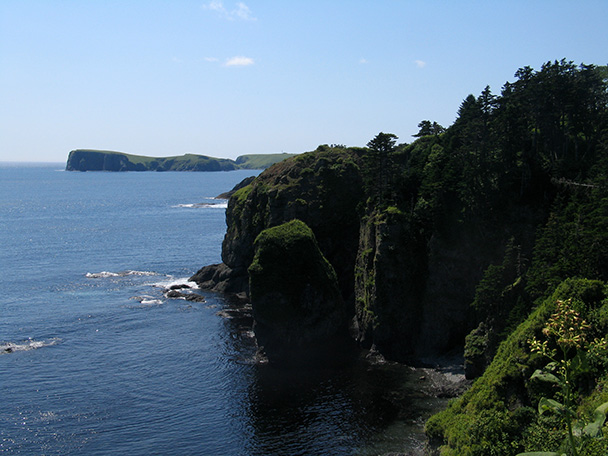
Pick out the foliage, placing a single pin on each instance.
(492, 290)
(428, 128)
(287, 258)
(379, 166)
(500, 304)
(501, 398)
(510, 162)
(574, 242)
(568, 349)
(522, 175)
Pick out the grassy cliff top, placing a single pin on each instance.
(107, 160)
(260, 161)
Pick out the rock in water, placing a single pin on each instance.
(298, 309)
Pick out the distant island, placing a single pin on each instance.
(105, 160)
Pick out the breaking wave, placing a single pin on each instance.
(174, 283)
(107, 274)
(221, 204)
(147, 300)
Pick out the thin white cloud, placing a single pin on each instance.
(239, 61)
(215, 6)
(241, 11)
(211, 59)
(362, 61)
(420, 63)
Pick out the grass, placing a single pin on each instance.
(94, 160)
(260, 161)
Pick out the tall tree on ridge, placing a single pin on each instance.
(379, 164)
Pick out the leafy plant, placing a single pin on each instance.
(566, 346)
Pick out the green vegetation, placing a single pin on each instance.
(466, 239)
(102, 160)
(295, 295)
(428, 128)
(379, 165)
(526, 171)
(570, 353)
(520, 181)
(287, 260)
(497, 415)
(260, 161)
(322, 188)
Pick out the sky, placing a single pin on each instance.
(228, 78)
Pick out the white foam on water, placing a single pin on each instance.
(221, 204)
(143, 298)
(27, 345)
(108, 274)
(141, 273)
(151, 302)
(100, 275)
(171, 282)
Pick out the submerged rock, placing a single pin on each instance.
(297, 304)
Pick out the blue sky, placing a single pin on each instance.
(226, 78)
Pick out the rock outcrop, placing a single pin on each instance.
(390, 283)
(296, 301)
(322, 189)
(407, 286)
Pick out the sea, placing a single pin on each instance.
(96, 360)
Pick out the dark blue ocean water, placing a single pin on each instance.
(94, 360)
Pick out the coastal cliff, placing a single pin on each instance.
(407, 287)
(298, 309)
(102, 160)
(322, 189)
(456, 243)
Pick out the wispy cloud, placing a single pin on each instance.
(362, 61)
(239, 61)
(420, 63)
(240, 12)
(211, 59)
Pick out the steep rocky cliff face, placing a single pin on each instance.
(323, 189)
(407, 290)
(414, 288)
(474, 227)
(92, 160)
(297, 305)
(99, 160)
(389, 284)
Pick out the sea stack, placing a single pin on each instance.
(298, 309)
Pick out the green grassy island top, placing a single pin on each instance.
(104, 160)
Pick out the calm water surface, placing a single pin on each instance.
(95, 360)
